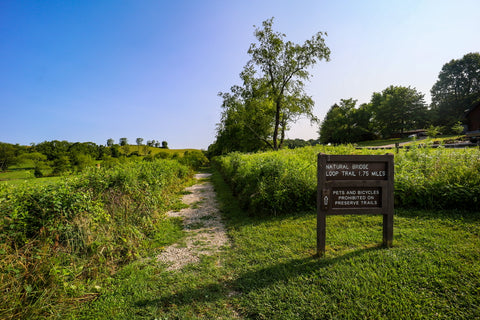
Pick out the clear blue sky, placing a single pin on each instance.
(94, 70)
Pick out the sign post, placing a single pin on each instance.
(354, 184)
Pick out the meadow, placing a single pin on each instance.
(285, 181)
(62, 241)
(84, 247)
(271, 271)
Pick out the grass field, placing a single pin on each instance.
(21, 175)
(431, 272)
(438, 140)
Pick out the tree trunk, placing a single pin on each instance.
(277, 125)
(282, 134)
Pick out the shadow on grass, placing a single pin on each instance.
(251, 281)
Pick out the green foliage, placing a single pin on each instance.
(272, 96)
(115, 151)
(283, 65)
(438, 178)
(286, 181)
(457, 128)
(194, 159)
(247, 117)
(8, 155)
(271, 271)
(457, 89)
(433, 131)
(394, 110)
(163, 155)
(58, 241)
(61, 165)
(344, 123)
(300, 143)
(397, 109)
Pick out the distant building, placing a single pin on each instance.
(473, 117)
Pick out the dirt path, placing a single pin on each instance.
(206, 233)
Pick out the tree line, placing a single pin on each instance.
(256, 114)
(398, 109)
(57, 157)
(139, 141)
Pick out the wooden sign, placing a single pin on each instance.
(354, 184)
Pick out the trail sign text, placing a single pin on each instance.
(354, 184)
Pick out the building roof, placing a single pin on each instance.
(474, 106)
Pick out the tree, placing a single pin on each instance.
(85, 148)
(7, 156)
(164, 145)
(247, 117)
(151, 143)
(110, 142)
(123, 141)
(344, 123)
(82, 161)
(257, 114)
(284, 67)
(53, 149)
(139, 143)
(457, 89)
(397, 109)
(61, 164)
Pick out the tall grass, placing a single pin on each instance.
(59, 241)
(285, 181)
(431, 272)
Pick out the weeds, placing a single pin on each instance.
(59, 242)
(285, 181)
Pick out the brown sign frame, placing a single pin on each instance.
(354, 173)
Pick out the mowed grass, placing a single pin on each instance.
(416, 141)
(271, 271)
(20, 176)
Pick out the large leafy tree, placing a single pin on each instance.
(397, 109)
(457, 89)
(257, 114)
(246, 121)
(7, 155)
(344, 123)
(285, 65)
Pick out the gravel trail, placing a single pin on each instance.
(206, 233)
